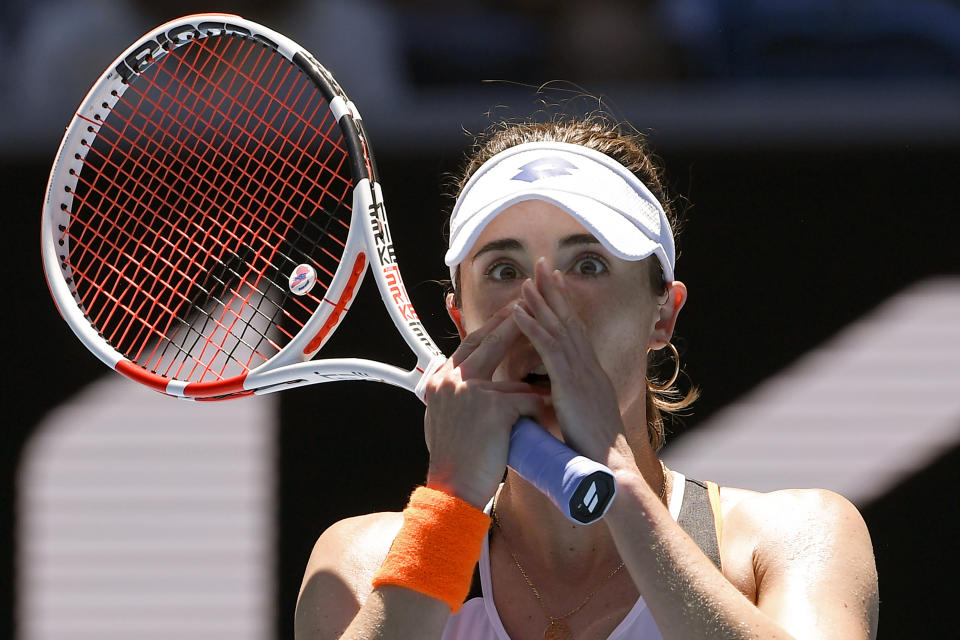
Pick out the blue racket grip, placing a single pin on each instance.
(581, 488)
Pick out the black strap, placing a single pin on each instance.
(696, 518)
(475, 590)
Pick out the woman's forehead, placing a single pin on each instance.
(531, 220)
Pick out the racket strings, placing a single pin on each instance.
(161, 236)
(246, 301)
(197, 199)
(225, 158)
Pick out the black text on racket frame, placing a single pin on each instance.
(209, 161)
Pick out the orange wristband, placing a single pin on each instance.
(437, 547)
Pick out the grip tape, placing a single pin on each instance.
(580, 487)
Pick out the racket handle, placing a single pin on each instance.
(581, 488)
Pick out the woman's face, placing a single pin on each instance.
(621, 314)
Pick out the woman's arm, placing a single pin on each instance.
(336, 599)
(395, 613)
(467, 429)
(812, 557)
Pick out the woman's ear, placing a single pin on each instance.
(667, 315)
(454, 314)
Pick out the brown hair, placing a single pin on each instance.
(627, 146)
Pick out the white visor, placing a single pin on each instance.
(599, 192)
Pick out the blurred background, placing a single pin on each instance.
(815, 147)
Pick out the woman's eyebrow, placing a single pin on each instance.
(580, 238)
(498, 245)
(512, 244)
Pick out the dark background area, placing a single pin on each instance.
(820, 176)
(781, 249)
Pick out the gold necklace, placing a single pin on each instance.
(556, 628)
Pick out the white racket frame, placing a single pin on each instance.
(571, 481)
(368, 243)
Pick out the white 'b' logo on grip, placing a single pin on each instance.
(591, 499)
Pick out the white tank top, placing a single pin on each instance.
(478, 618)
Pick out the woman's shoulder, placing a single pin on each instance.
(353, 548)
(371, 528)
(788, 531)
(338, 577)
(747, 507)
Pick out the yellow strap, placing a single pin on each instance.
(713, 492)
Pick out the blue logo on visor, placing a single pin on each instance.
(544, 168)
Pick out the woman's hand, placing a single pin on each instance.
(469, 416)
(583, 397)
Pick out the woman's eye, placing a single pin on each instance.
(503, 271)
(589, 266)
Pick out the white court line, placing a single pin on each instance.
(857, 414)
(141, 516)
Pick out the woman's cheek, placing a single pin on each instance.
(621, 346)
(481, 300)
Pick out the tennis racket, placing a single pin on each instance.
(210, 215)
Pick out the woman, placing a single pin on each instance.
(562, 256)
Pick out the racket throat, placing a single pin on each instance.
(367, 197)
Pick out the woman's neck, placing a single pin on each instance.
(533, 528)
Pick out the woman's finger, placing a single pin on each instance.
(475, 338)
(539, 308)
(505, 386)
(484, 354)
(544, 341)
(552, 290)
(524, 405)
